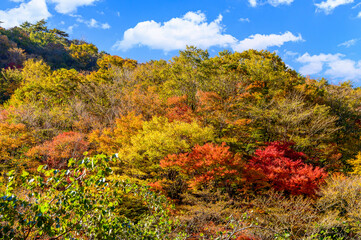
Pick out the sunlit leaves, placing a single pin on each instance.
(158, 138)
(55, 153)
(111, 140)
(85, 54)
(15, 139)
(79, 203)
(285, 169)
(208, 165)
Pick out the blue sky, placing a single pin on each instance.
(320, 38)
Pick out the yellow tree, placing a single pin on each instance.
(85, 54)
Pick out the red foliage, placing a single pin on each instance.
(207, 163)
(284, 169)
(61, 148)
(179, 110)
(156, 186)
(246, 237)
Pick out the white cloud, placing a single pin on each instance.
(35, 10)
(70, 6)
(71, 28)
(348, 43)
(253, 3)
(335, 66)
(314, 64)
(191, 29)
(290, 53)
(259, 41)
(31, 11)
(92, 23)
(329, 5)
(359, 15)
(105, 26)
(244, 19)
(274, 3)
(345, 69)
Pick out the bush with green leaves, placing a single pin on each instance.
(79, 203)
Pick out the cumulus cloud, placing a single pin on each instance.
(314, 64)
(259, 41)
(193, 29)
(333, 65)
(275, 3)
(345, 69)
(329, 5)
(70, 6)
(31, 11)
(35, 10)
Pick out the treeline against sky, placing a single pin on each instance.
(238, 134)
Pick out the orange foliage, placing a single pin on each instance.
(110, 140)
(214, 108)
(63, 147)
(207, 163)
(179, 110)
(246, 237)
(13, 137)
(145, 102)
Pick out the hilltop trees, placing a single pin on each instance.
(216, 134)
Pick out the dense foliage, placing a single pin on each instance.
(285, 169)
(79, 203)
(245, 147)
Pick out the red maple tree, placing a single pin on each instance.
(58, 151)
(285, 169)
(207, 163)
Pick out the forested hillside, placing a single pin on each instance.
(235, 146)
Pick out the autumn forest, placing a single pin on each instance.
(235, 146)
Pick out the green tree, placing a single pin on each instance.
(187, 74)
(78, 203)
